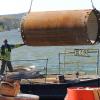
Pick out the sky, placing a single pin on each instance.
(20, 6)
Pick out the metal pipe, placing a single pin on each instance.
(59, 28)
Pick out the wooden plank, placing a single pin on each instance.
(20, 97)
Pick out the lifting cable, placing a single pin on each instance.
(30, 6)
(92, 5)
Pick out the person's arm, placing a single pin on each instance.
(16, 46)
(0, 54)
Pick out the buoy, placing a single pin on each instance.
(81, 93)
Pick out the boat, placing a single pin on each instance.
(54, 86)
(56, 91)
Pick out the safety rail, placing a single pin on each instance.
(31, 60)
(83, 53)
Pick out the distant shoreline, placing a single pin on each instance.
(9, 22)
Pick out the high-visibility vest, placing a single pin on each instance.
(7, 52)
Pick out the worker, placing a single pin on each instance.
(5, 56)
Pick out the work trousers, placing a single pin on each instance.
(5, 64)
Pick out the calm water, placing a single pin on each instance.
(73, 63)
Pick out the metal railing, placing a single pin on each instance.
(79, 53)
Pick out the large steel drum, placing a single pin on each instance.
(60, 28)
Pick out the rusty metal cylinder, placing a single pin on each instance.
(60, 28)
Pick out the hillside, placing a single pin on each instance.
(8, 22)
